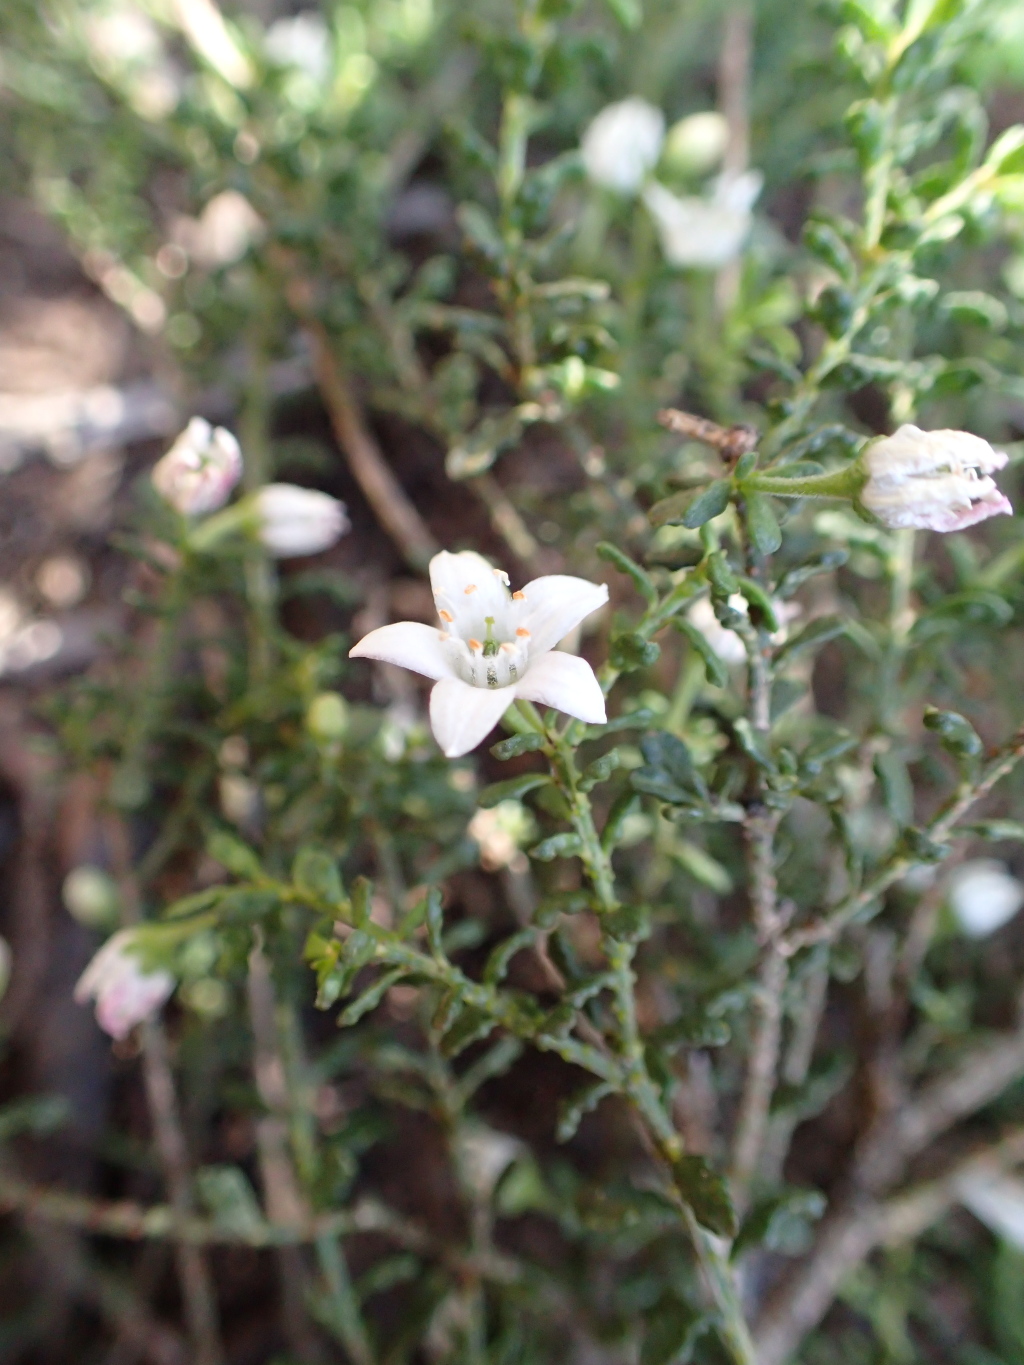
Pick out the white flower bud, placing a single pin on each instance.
(622, 145)
(90, 896)
(199, 471)
(983, 896)
(298, 521)
(696, 143)
(932, 480)
(124, 991)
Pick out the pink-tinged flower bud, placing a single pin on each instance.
(124, 991)
(199, 471)
(622, 145)
(932, 480)
(298, 521)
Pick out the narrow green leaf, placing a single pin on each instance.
(558, 846)
(516, 745)
(611, 554)
(512, 789)
(370, 998)
(706, 1193)
(502, 955)
(711, 503)
(762, 523)
(236, 856)
(714, 670)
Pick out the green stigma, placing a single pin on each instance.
(491, 645)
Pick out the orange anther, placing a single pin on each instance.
(523, 633)
(519, 597)
(474, 644)
(470, 587)
(446, 616)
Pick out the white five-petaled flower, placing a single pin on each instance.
(622, 145)
(704, 233)
(124, 991)
(298, 521)
(199, 471)
(493, 646)
(932, 480)
(983, 896)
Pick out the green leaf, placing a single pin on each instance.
(816, 633)
(472, 1026)
(600, 770)
(362, 898)
(315, 873)
(480, 228)
(629, 720)
(670, 1332)
(512, 789)
(671, 510)
(238, 858)
(714, 670)
(781, 1223)
(824, 241)
(630, 13)
(631, 651)
(585, 1102)
(762, 523)
(230, 1198)
(611, 554)
(670, 773)
(370, 998)
(897, 788)
(516, 745)
(565, 845)
(956, 734)
(761, 605)
(498, 962)
(706, 1193)
(435, 922)
(752, 743)
(709, 504)
(627, 803)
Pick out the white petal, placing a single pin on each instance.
(461, 715)
(567, 683)
(555, 604)
(409, 644)
(622, 144)
(465, 585)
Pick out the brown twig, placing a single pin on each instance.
(196, 1285)
(730, 442)
(850, 1235)
(198, 1295)
(286, 1204)
(773, 972)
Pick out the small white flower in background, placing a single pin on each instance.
(932, 480)
(622, 145)
(485, 1155)
(493, 647)
(726, 643)
(500, 833)
(705, 233)
(983, 896)
(222, 233)
(998, 1201)
(301, 42)
(199, 471)
(298, 521)
(124, 991)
